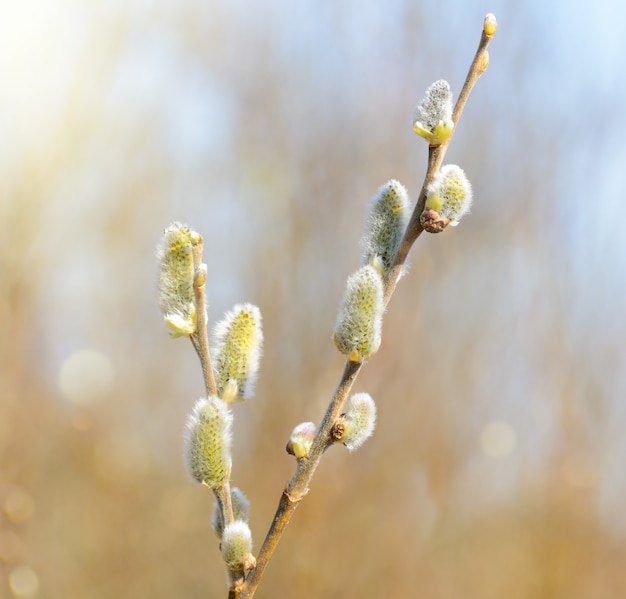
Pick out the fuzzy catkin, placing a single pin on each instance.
(237, 347)
(360, 420)
(386, 222)
(433, 116)
(359, 323)
(208, 441)
(236, 544)
(450, 193)
(176, 272)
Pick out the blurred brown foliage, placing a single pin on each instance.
(268, 129)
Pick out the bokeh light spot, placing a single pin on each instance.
(85, 377)
(498, 440)
(24, 582)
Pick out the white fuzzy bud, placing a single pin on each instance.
(449, 194)
(385, 226)
(236, 544)
(301, 439)
(433, 116)
(360, 420)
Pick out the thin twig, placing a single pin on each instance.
(225, 505)
(200, 338)
(200, 341)
(222, 494)
(436, 154)
(298, 486)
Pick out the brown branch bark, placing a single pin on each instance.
(200, 338)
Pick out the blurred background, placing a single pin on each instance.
(497, 467)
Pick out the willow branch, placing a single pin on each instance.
(436, 154)
(200, 341)
(298, 486)
(222, 494)
(200, 338)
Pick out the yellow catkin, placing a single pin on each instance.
(237, 347)
(359, 322)
(176, 272)
(207, 442)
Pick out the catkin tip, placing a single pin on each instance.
(433, 115)
(490, 25)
